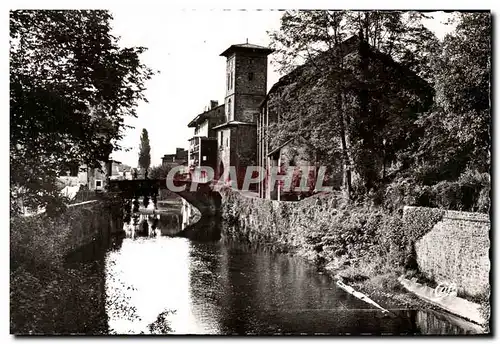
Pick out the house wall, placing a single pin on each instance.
(209, 149)
(224, 150)
(251, 63)
(250, 90)
(246, 149)
(203, 129)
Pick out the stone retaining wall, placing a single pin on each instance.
(456, 250)
(92, 220)
(450, 246)
(279, 225)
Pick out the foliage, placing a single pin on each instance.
(40, 252)
(365, 102)
(71, 86)
(39, 282)
(455, 135)
(376, 116)
(400, 34)
(161, 324)
(160, 171)
(416, 223)
(470, 192)
(144, 151)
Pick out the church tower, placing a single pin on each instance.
(246, 88)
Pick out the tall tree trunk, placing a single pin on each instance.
(345, 154)
(339, 89)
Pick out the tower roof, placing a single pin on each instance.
(246, 47)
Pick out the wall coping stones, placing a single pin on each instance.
(457, 215)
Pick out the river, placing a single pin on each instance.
(157, 283)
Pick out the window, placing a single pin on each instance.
(229, 110)
(204, 158)
(227, 142)
(221, 139)
(228, 81)
(250, 76)
(232, 80)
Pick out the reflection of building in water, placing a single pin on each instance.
(170, 223)
(189, 214)
(152, 225)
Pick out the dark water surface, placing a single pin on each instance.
(158, 284)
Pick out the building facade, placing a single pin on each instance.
(178, 158)
(93, 179)
(246, 88)
(203, 144)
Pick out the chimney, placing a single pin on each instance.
(213, 104)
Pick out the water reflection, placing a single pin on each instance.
(186, 287)
(156, 282)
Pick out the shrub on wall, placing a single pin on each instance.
(416, 222)
(470, 192)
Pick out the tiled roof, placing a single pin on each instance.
(246, 46)
(215, 112)
(249, 45)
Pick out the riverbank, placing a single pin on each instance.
(367, 247)
(40, 280)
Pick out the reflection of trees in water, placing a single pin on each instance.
(154, 224)
(169, 223)
(208, 229)
(118, 305)
(161, 325)
(135, 204)
(135, 219)
(438, 324)
(143, 225)
(127, 211)
(137, 224)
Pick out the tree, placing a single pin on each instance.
(71, 86)
(456, 134)
(144, 151)
(362, 110)
(160, 171)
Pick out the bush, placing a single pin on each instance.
(470, 192)
(37, 243)
(40, 301)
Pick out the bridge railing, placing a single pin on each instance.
(84, 196)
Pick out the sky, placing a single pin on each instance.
(184, 46)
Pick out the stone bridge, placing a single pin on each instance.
(203, 197)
